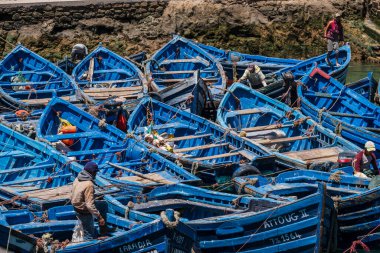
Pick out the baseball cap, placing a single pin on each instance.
(370, 146)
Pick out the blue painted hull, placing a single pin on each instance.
(178, 60)
(103, 74)
(226, 223)
(201, 146)
(288, 133)
(345, 112)
(235, 63)
(277, 88)
(29, 81)
(106, 144)
(136, 233)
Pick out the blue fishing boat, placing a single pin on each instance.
(24, 231)
(235, 63)
(300, 183)
(121, 159)
(195, 96)
(290, 135)
(178, 60)
(232, 223)
(33, 174)
(366, 87)
(339, 108)
(201, 146)
(29, 81)
(281, 81)
(103, 74)
(358, 216)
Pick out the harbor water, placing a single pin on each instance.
(357, 71)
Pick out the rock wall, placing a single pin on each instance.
(65, 17)
(286, 28)
(374, 11)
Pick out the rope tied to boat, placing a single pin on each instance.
(194, 167)
(320, 113)
(336, 176)
(338, 129)
(170, 224)
(178, 162)
(129, 207)
(12, 200)
(252, 182)
(358, 243)
(102, 123)
(243, 134)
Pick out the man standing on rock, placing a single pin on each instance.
(334, 34)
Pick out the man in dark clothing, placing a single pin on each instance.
(363, 161)
(82, 199)
(78, 52)
(334, 34)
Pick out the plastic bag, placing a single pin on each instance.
(78, 233)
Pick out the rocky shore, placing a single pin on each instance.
(286, 28)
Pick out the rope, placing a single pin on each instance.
(338, 129)
(320, 113)
(170, 224)
(194, 167)
(102, 123)
(336, 176)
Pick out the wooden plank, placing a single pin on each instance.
(63, 192)
(282, 140)
(341, 114)
(315, 154)
(132, 88)
(107, 95)
(154, 176)
(246, 111)
(189, 137)
(216, 156)
(182, 150)
(42, 101)
(268, 127)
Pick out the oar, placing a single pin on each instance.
(137, 173)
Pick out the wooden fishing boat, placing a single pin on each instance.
(33, 174)
(279, 82)
(339, 108)
(289, 134)
(249, 224)
(235, 63)
(195, 96)
(358, 215)
(366, 87)
(178, 60)
(121, 159)
(29, 81)
(300, 183)
(103, 74)
(201, 146)
(20, 230)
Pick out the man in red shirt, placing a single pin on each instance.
(363, 161)
(334, 34)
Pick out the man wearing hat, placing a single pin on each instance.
(363, 160)
(82, 199)
(334, 34)
(253, 77)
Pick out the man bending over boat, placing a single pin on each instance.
(82, 199)
(363, 161)
(334, 34)
(253, 77)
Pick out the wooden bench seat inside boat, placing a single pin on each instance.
(43, 101)
(192, 60)
(317, 154)
(154, 176)
(182, 150)
(284, 140)
(55, 193)
(245, 112)
(178, 204)
(217, 156)
(181, 79)
(182, 72)
(189, 137)
(267, 127)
